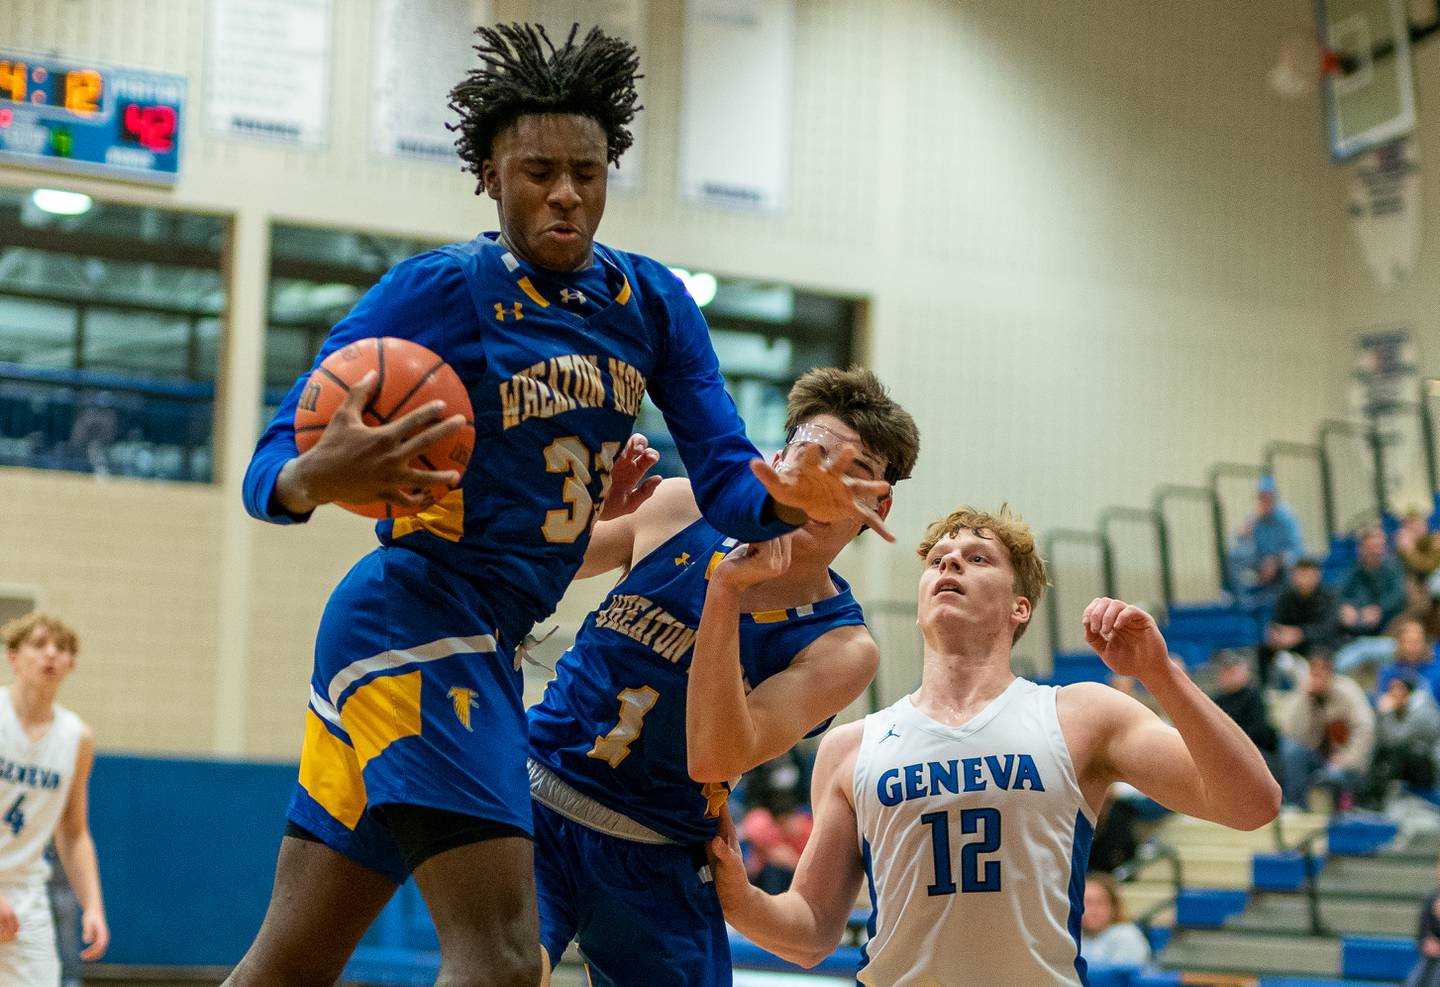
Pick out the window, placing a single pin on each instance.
(316, 276)
(109, 338)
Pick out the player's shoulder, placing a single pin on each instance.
(1093, 701)
(840, 745)
(75, 723)
(843, 646)
(651, 276)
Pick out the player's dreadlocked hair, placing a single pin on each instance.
(595, 78)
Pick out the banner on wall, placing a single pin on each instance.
(623, 19)
(735, 111)
(1384, 204)
(420, 50)
(267, 70)
(1385, 390)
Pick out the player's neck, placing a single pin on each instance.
(806, 581)
(957, 682)
(34, 704)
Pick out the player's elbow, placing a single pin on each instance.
(706, 770)
(1260, 809)
(812, 954)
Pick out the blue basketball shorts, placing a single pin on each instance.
(413, 701)
(643, 914)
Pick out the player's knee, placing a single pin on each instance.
(289, 970)
(503, 965)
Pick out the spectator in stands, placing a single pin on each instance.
(1241, 699)
(1417, 546)
(1407, 730)
(1105, 937)
(1373, 594)
(1116, 840)
(1427, 937)
(1328, 736)
(1407, 649)
(1267, 546)
(777, 823)
(1307, 615)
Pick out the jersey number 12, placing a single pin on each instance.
(975, 875)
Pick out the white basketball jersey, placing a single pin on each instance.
(35, 777)
(975, 841)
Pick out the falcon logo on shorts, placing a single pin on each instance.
(463, 699)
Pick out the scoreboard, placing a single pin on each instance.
(82, 116)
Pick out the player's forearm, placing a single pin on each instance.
(783, 924)
(720, 734)
(1239, 790)
(82, 869)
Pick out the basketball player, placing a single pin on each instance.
(46, 753)
(969, 805)
(621, 821)
(414, 755)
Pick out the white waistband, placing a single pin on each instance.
(547, 789)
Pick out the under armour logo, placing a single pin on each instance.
(683, 558)
(514, 310)
(571, 297)
(892, 733)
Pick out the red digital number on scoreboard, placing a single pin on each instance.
(152, 127)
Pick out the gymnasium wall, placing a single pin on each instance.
(1086, 233)
(1358, 302)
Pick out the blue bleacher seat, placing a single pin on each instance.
(1377, 957)
(1208, 907)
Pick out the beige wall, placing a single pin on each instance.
(1359, 303)
(1086, 232)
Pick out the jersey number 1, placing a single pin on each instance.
(614, 747)
(974, 876)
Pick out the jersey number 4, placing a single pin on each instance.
(15, 817)
(975, 875)
(571, 457)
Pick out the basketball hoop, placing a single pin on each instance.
(1300, 64)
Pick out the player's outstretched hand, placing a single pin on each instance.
(95, 933)
(1125, 636)
(824, 491)
(749, 565)
(9, 922)
(629, 487)
(726, 863)
(359, 463)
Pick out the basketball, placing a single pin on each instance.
(409, 376)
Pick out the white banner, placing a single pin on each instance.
(267, 70)
(421, 49)
(735, 113)
(623, 19)
(1386, 210)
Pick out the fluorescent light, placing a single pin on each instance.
(700, 285)
(60, 203)
(702, 288)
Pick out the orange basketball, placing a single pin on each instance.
(410, 376)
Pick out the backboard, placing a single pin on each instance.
(1370, 99)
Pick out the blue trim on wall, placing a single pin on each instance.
(187, 854)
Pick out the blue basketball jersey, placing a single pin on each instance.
(612, 723)
(556, 366)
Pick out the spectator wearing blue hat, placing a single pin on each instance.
(1407, 730)
(1266, 548)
